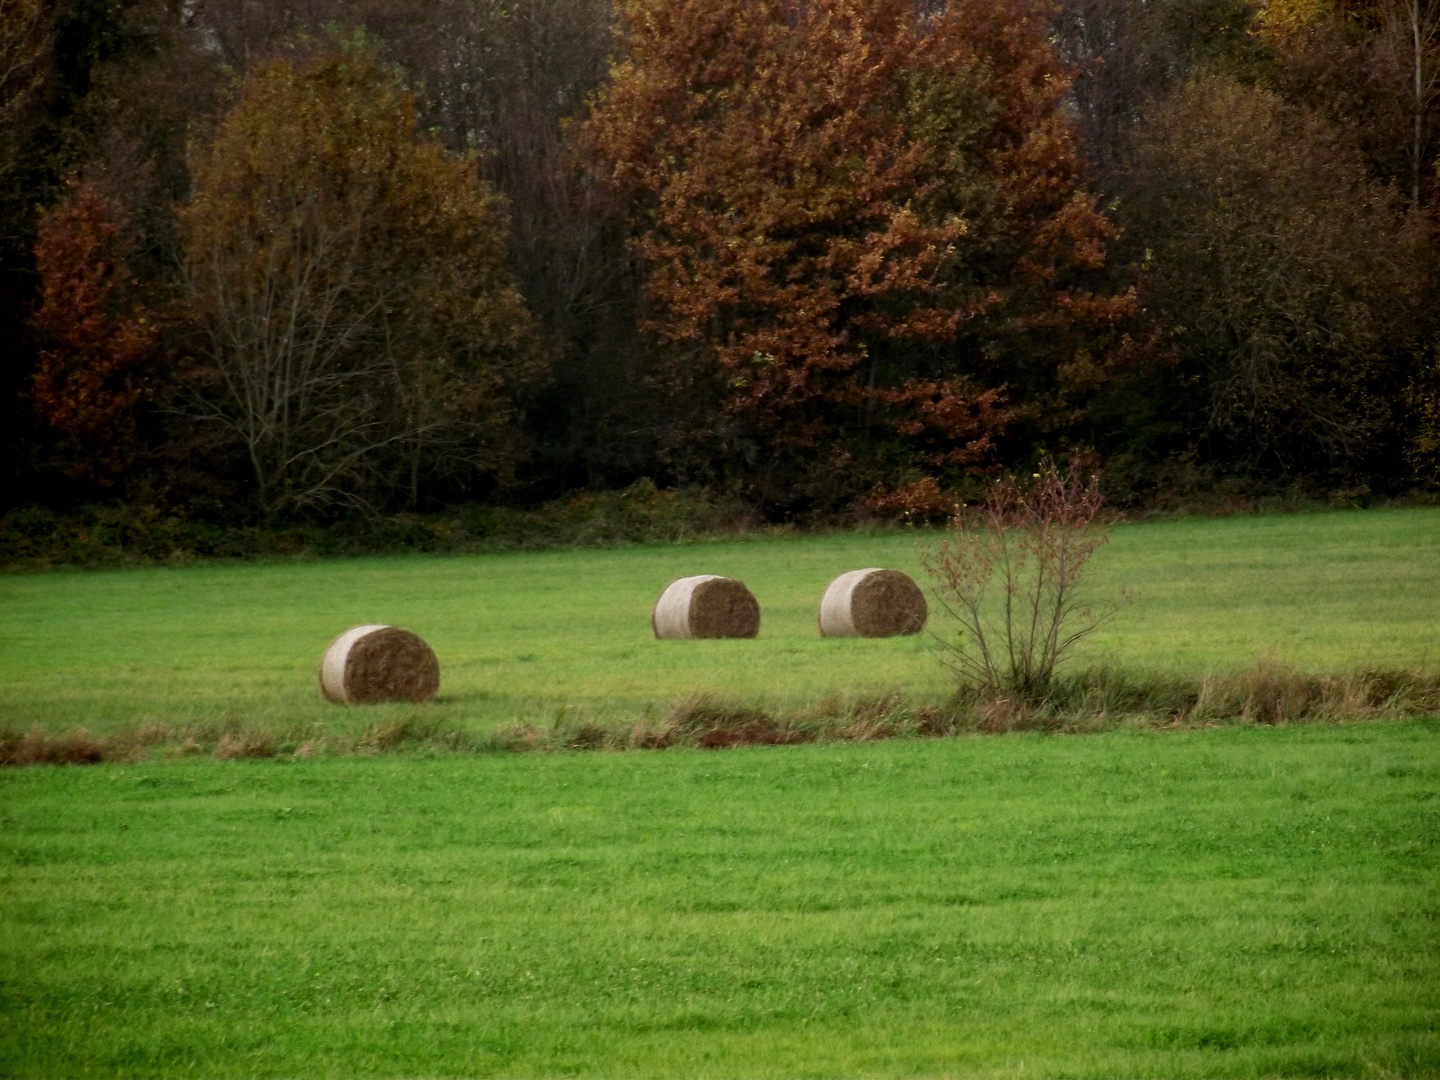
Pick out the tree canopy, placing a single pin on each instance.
(857, 223)
(824, 257)
(358, 318)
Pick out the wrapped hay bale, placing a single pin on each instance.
(706, 606)
(872, 603)
(374, 662)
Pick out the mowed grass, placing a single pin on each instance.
(1238, 901)
(565, 636)
(1244, 901)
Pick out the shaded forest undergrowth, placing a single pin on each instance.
(1095, 701)
(39, 538)
(129, 535)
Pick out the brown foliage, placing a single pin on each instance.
(1373, 65)
(94, 341)
(1423, 398)
(839, 201)
(23, 45)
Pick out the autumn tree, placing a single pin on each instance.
(860, 224)
(1294, 281)
(1371, 67)
(94, 339)
(23, 26)
(1423, 397)
(497, 79)
(363, 336)
(506, 78)
(1130, 54)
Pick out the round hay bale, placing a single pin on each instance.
(706, 606)
(374, 662)
(872, 603)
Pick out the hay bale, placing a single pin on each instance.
(374, 662)
(872, 603)
(706, 606)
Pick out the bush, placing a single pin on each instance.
(126, 535)
(1012, 576)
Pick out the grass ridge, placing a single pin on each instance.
(1101, 699)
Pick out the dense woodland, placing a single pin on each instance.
(266, 261)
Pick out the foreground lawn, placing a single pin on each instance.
(1234, 902)
(565, 635)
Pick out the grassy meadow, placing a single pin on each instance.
(564, 635)
(1239, 900)
(1243, 901)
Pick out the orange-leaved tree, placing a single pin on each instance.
(93, 338)
(862, 228)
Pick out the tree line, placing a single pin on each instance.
(264, 261)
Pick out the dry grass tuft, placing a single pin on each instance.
(1268, 693)
(712, 724)
(239, 745)
(933, 723)
(518, 736)
(382, 738)
(647, 735)
(37, 747)
(758, 732)
(411, 733)
(586, 735)
(77, 746)
(868, 719)
(703, 712)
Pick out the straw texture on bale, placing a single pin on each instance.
(375, 662)
(872, 603)
(706, 606)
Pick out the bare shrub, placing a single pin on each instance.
(1012, 576)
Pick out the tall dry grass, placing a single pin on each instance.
(1098, 700)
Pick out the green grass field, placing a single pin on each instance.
(1234, 901)
(1244, 902)
(539, 637)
